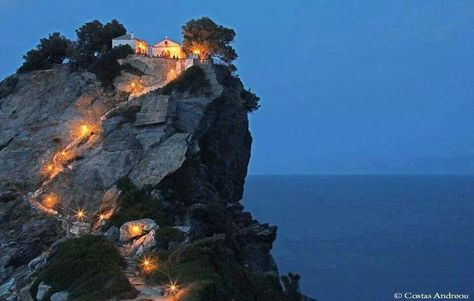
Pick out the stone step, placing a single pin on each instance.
(150, 291)
(136, 281)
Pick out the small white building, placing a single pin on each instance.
(139, 46)
(168, 49)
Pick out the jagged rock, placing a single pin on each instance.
(161, 161)
(78, 228)
(143, 244)
(7, 288)
(24, 294)
(112, 234)
(184, 229)
(145, 225)
(24, 235)
(11, 298)
(43, 289)
(200, 156)
(109, 200)
(37, 262)
(60, 296)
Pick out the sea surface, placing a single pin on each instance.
(363, 238)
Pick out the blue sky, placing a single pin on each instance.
(346, 86)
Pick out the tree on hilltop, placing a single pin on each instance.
(94, 39)
(206, 38)
(49, 52)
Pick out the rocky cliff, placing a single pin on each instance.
(66, 143)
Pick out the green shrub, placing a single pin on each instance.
(89, 268)
(208, 270)
(216, 218)
(251, 100)
(134, 204)
(225, 76)
(7, 86)
(49, 52)
(106, 68)
(93, 50)
(292, 286)
(94, 39)
(193, 80)
(166, 235)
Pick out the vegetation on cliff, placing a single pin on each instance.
(49, 52)
(207, 270)
(89, 268)
(193, 80)
(205, 38)
(135, 204)
(92, 51)
(251, 100)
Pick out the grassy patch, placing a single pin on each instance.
(166, 235)
(206, 270)
(134, 204)
(192, 80)
(90, 268)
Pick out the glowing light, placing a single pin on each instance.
(135, 230)
(134, 86)
(81, 130)
(196, 52)
(173, 287)
(84, 130)
(148, 264)
(102, 217)
(64, 156)
(80, 214)
(51, 169)
(171, 75)
(141, 48)
(50, 200)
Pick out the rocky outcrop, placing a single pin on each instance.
(133, 229)
(138, 237)
(43, 289)
(60, 296)
(67, 137)
(24, 235)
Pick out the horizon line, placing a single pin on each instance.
(363, 174)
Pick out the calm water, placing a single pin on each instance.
(366, 237)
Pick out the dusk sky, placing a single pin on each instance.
(346, 86)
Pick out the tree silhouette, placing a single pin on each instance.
(49, 52)
(205, 38)
(291, 286)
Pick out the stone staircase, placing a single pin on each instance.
(146, 292)
(131, 271)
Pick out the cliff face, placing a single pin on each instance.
(65, 143)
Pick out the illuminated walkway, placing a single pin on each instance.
(146, 292)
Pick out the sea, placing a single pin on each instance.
(364, 238)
